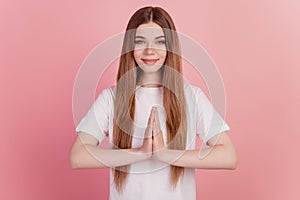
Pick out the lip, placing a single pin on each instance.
(149, 61)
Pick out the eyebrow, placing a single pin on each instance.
(162, 36)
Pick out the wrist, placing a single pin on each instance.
(160, 154)
(168, 155)
(141, 152)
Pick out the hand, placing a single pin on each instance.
(158, 141)
(146, 148)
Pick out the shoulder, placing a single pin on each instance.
(108, 93)
(106, 96)
(191, 89)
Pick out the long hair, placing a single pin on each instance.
(173, 88)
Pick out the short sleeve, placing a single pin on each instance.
(209, 121)
(95, 122)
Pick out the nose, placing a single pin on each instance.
(149, 49)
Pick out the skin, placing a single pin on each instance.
(150, 44)
(85, 152)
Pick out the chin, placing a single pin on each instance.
(151, 69)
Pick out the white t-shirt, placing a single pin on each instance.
(150, 179)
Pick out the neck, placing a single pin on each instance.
(150, 79)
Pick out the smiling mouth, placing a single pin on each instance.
(149, 61)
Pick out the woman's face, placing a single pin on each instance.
(150, 47)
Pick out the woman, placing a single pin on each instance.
(151, 118)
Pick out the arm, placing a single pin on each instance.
(222, 155)
(85, 154)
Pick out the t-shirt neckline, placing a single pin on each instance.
(149, 89)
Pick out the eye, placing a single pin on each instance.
(138, 42)
(162, 42)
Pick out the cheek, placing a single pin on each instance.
(163, 55)
(136, 56)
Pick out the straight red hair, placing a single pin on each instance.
(173, 88)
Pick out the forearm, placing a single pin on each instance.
(90, 156)
(217, 157)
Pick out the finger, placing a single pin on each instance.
(153, 121)
(149, 129)
(157, 119)
(158, 139)
(148, 132)
(151, 118)
(156, 126)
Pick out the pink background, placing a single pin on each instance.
(254, 43)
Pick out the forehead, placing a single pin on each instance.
(149, 30)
